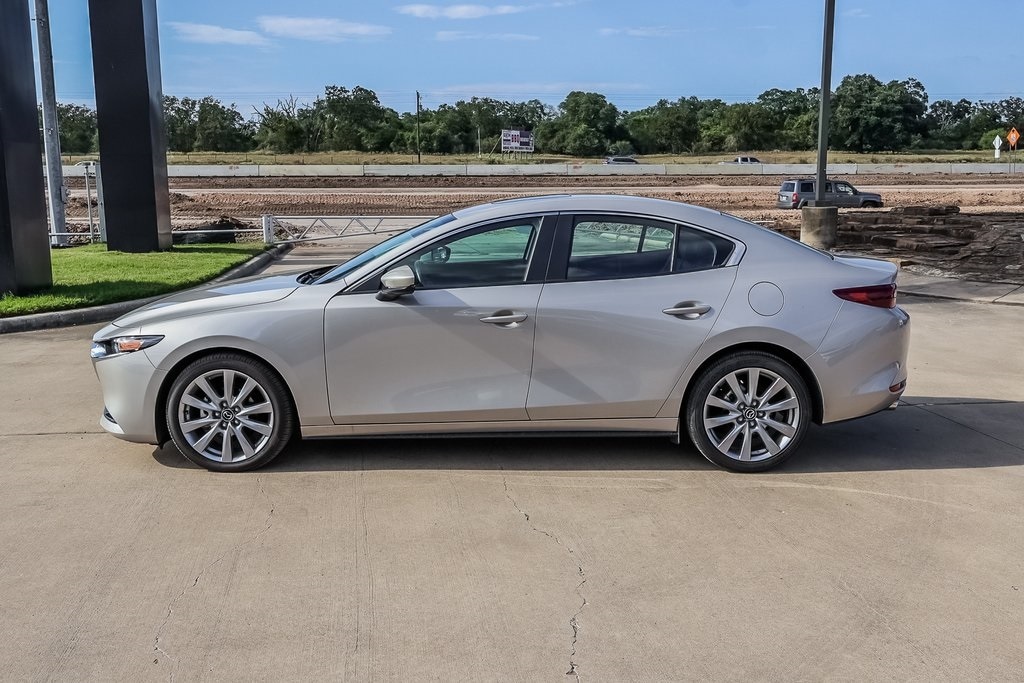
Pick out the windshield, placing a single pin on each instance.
(387, 245)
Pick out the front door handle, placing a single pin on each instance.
(690, 310)
(505, 318)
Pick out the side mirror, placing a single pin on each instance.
(396, 283)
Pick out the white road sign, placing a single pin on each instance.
(998, 144)
(516, 141)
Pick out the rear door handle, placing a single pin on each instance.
(690, 310)
(505, 318)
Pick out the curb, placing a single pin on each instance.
(96, 314)
(969, 300)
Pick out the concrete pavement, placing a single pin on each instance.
(888, 548)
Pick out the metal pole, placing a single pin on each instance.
(88, 202)
(51, 137)
(268, 229)
(101, 209)
(418, 157)
(826, 94)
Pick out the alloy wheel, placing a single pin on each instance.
(751, 414)
(226, 416)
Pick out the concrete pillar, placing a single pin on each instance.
(24, 244)
(818, 226)
(129, 111)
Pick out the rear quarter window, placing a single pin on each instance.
(788, 187)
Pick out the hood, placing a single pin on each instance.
(212, 297)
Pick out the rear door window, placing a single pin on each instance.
(607, 247)
(619, 248)
(807, 187)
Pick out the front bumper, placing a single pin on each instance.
(130, 384)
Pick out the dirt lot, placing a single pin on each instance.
(750, 201)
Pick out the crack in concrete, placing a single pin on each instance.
(575, 625)
(574, 620)
(195, 582)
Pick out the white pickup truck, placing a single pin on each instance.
(742, 160)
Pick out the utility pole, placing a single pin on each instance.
(479, 151)
(418, 157)
(818, 219)
(825, 110)
(51, 136)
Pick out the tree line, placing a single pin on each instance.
(867, 116)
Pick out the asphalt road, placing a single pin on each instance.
(890, 548)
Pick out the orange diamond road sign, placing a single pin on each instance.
(1012, 137)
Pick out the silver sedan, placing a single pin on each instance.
(577, 314)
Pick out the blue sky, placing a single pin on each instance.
(634, 51)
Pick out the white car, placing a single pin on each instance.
(565, 314)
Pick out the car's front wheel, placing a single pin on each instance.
(748, 412)
(229, 413)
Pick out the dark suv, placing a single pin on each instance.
(795, 193)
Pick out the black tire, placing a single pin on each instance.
(756, 428)
(260, 417)
(870, 205)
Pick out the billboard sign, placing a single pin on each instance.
(516, 141)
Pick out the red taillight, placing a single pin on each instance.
(882, 296)
(796, 199)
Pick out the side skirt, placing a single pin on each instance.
(631, 426)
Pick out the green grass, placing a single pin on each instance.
(90, 275)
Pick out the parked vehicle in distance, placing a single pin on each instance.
(795, 193)
(741, 160)
(621, 160)
(561, 313)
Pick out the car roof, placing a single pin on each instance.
(614, 203)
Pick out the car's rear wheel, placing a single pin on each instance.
(748, 412)
(229, 413)
(871, 205)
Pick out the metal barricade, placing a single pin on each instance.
(313, 228)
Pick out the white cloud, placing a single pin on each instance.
(447, 36)
(319, 29)
(216, 35)
(642, 31)
(856, 13)
(423, 11)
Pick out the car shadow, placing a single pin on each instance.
(923, 433)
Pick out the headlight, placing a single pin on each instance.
(119, 345)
